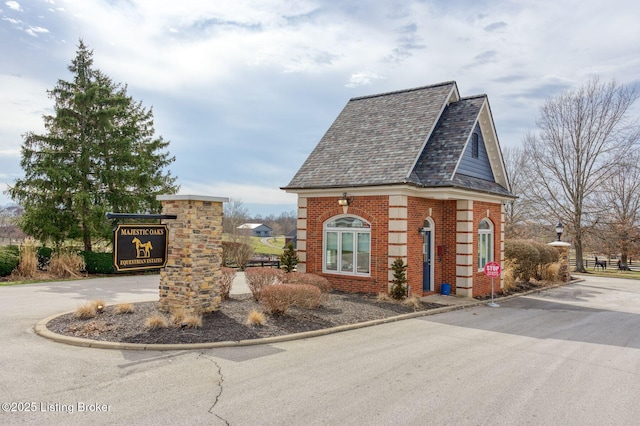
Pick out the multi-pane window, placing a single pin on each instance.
(347, 246)
(485, 243)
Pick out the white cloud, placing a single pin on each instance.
(34, 31)
(362, 79)
(13, 5)
(12, 21)
(250, 194)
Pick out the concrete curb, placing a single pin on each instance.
(41, 329)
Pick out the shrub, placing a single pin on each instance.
(276, 299)
(524, 257)
(289, 259)
(44, 256)
(311, 279)
(156, 321)
(399, 287)
(98, 263)
(528, 258)
(306, 296)
(255, 318)
(9, 260)
(66, 265)
(236, 253)
(228, 275)
(259, 278)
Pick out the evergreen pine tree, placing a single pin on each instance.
(99, 153)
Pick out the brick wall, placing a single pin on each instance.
(313, 212)
(493, 212)
(373, 209)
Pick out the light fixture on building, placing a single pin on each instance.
(559, 229)
(344, 200)
(423, 230)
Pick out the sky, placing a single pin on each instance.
(244, 90)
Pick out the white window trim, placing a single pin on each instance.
(488, 232)
(341, 231)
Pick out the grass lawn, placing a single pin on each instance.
(610, 273)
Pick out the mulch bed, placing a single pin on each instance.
(229, 323)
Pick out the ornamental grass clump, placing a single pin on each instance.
(86, 311)
(191, 321)
(255, 318)
(66, 265)
(259, 278)
(124, 308)
(156, 321)
(28, 265)
(413, 302)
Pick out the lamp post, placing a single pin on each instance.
(559, 229)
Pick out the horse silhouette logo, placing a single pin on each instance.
(143, 250)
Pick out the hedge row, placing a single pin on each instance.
(96, 263)
(529, 258)
(9, 259)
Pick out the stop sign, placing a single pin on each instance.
(492, 269)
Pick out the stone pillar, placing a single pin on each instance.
(563, 251)
(190, 282)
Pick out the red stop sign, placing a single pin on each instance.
(492, 269)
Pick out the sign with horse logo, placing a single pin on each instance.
(140, 246)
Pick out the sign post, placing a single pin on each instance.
(493, 270)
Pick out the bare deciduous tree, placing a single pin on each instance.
(620, 226)
(518, 211)
(235, 214)
(582, 135)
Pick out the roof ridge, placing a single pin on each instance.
(482, 95)
(395, 92)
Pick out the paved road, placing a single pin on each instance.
(567, 356)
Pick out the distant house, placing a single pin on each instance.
(415, 174)
(255, 229)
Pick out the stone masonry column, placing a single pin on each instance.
(563, 251)
(190, 282)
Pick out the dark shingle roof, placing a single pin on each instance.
(375, 140)
(380, 140)
(438, 161)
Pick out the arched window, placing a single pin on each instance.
(347, 246)
(485, 243)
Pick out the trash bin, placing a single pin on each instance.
(445, 289)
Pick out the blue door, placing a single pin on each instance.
(427, 261)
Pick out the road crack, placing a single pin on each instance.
(220, 388)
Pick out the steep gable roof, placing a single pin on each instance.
(375, 140)
(415, 137)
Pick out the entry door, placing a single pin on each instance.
(427, 264)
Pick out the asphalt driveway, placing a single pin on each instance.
(565, 356)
